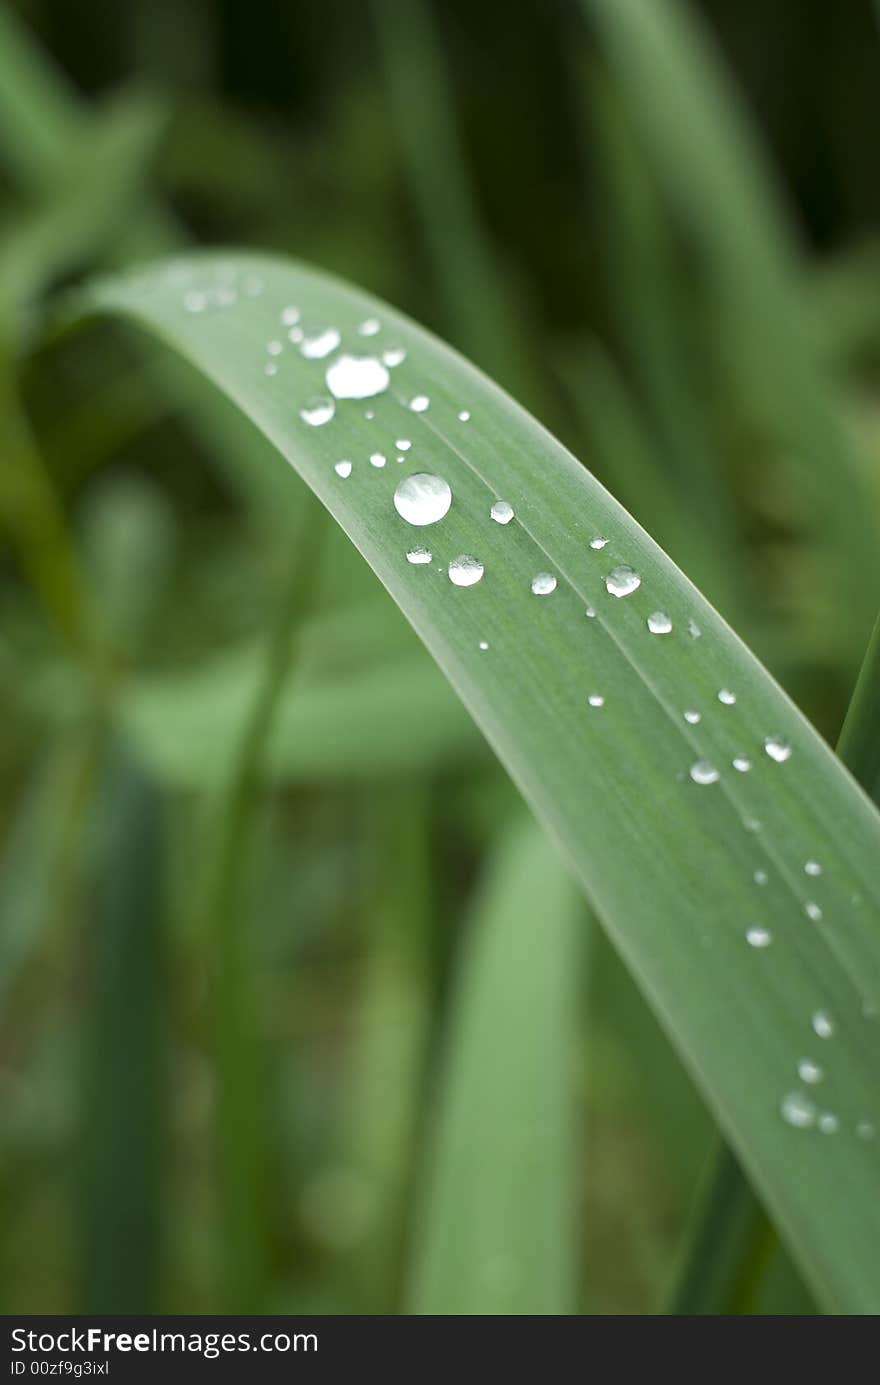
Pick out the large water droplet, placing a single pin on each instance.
(418, 556)
(726, 697)
(622, 580)
(321, 344)
(659, 623)
(422, 498)
(757, 936)
(465, 570)
(798, 1110)
(343, 469)
(317, 411)
(356, 377)
(823, 1024)
(502, 512)
(419, 403)
(704, 773)
(777, 748)
(811, 1072)
(543, 583)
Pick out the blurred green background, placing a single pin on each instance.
(249, 842)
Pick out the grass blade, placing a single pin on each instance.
(669, 862)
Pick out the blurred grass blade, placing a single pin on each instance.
(123, 1122)
(690, 119)
(666, 833)
(497, 1228)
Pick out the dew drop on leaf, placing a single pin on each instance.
(343, 469)
(356, 377)
(812, 868)
(464, 415)
(484, 645)
(741, 763)
(777, 748)
(622, 581)
(702, 772)
(378, 459)
(590, 612)
(828, 1123)
(823, 1024)
(659, 623)
(760, 877)
(270, 368)
(403, 444)
(502, 512)
(811, 1072)
(290, 315)
(419, 403)
(757, 936)
(369, 327)
(320, 345)
(394, 356)
(417, 556)
(596, 700)
(543, 583)
(274, 347)
(798, 1110)
(694, 630)
(726, 697)
(813, 911)
(598, 543)
(465, 570)
(422, 498)
(691, 717)
(318, 411)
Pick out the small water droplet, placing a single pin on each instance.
(290, 315)
(752, 824)
(377, 459)
(274, 347)
(321, 344)
(369, 415)
(726, 697)
(823, 1024)
(422, 498)
(394, 356)
(590, 612)
(502, 512)
(694, 630)
(622, 581)
(343, 469)
(296, 335)
(777, 748)
(270, 368)
(194, 301)
(760, 877)
(813, 911)
(419, 403)
(356, 377)
(465, 570)
(369, 327)
(464, 415)
(756, 936)
(543, 583)
(317, 411)
(811, 1072)
(741, 763)
(691, 717)
(828, 1123)
(403, 444)
(596, 700)
(598, 543)
(704, 773)
(484, 645)
(865, 1130)
(812, 868)
(659, 623)
(417, 556)
(798, 1110)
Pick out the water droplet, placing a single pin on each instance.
(598, 543)
(808, 1071)
(484, 645)
(403, 444)
(343, 469)
(760, 877)
(596, 700)
(296, 335)
(465, 570)
(691, 717)
(694, 630)
(317, 411)
(290, 315)
(356, 377)
(865, 1130)
(622, 581)
(274, 348)
(377, 459)
(369, 415)
(812, 868)
(419, 403)
(704, 773)
(270, 368)
(813, 911)
(225, 297)
(828, 1123)
(726, 697)
(659, 623)
(464, 415)
(756, 936)
(369, 327)
(777, 748)
(422, 498)
(590, 612)
(502, 512)
(741, 763)
(798, 1110)
(543, 583)
(321, 344)
(194, 301)
(823, 1024)
(752, 824)
(418, 556)
(394, 356)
